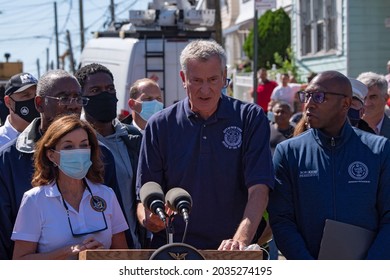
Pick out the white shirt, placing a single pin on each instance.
(42, 218)
(7, 132)
(136, 126)
(286, 94)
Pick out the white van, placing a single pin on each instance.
(129, 60)
(147, 49)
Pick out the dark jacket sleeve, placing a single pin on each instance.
(15, 178)
(133, 144)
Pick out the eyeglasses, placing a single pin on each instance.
(317, 96)
(65, 101)
(95, 201)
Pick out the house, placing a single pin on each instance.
(343, 35)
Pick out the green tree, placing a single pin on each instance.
(274, 36)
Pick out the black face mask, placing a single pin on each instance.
(26, 109)
(102, 107)
(354, 116)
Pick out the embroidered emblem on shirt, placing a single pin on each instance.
(98, 204)
(232, 138)
(358, 170)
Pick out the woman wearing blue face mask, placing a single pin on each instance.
(68, 210)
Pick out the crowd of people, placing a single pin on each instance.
(72, 173)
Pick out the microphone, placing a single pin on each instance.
(152, 197)
(179, 200)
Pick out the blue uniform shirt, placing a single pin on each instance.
(215, 160)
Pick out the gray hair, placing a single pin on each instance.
(371, 79)
(47, 81)
(202, 50)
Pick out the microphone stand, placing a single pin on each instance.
(169, 229)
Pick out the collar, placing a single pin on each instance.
(10, 128)
(223, 110)
(379, 125)
(137, 127)
(51, 190)
(27, 139)
(333, 142)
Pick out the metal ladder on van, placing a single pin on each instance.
(156, 54)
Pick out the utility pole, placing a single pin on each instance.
(81, 14)
(38, 68)
(56, 33)
(112, 10)
(47, 60)
(70, 51)
(216, 5)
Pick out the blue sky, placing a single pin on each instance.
(27, 27)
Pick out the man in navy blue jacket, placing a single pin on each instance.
(58, 92)
(332, 171)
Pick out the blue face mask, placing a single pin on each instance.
(271, 116)
(149, 108)
(75, 163)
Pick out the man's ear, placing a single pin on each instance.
(131, 103)
(7, 101)
(39, 103)
(183, 78)
(347, 104)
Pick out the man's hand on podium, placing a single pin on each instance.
(231, 245)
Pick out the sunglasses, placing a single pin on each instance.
(78, 234)
(317, 96)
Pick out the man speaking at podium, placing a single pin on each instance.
(217, 149)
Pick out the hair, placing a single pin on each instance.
(45, 172)
(202, 50)
(90, 69)
(301, 126)
(371, 79)
(134, 89)
(311, 76)
(282, 103)
(48, 80)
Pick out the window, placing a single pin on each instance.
(318, 26)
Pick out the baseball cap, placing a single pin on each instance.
(20, 82)
(359, 90)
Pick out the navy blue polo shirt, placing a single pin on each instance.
(215, 160)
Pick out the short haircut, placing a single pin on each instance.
(371, 79)
(283, 104)
(48, 80)
(134, 89)
(90, 69)
(45, 171)
(202, 50)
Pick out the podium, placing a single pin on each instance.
(145, 254)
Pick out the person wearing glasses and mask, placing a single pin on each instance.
(58, 93)
(69, 209)
(19, 98)
(145, 100)
(331, 171)
(97, 84)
